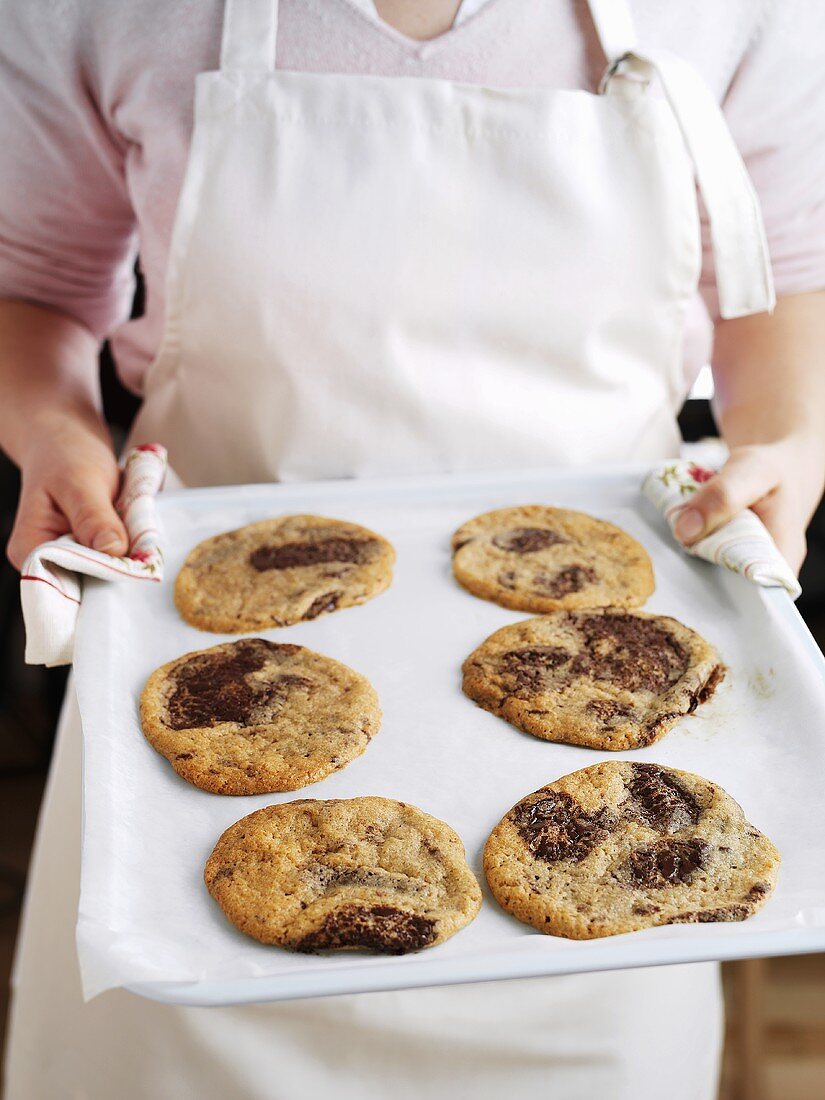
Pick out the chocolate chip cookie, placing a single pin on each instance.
(622, 846)
(364, 873)
(537, 558)
(253, 716)
(281, 571)
(605, 679)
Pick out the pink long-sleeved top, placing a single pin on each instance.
(96, 104)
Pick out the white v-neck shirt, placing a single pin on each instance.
(96, 104)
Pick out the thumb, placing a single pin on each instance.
(37, 521)
(87, 504)
(744, 479)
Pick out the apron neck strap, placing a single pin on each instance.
(250, 34)
(740, 251)
(614, 27)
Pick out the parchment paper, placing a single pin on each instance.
(145, 915)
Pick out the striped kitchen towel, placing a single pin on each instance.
(742, 545)
(50, 585)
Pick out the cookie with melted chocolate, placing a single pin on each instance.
(254, 716)
(367, 874)
(538, 558)
(281, 571)
(622, 846)
(605, 678)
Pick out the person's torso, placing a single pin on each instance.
(375, 274)
(148, 96)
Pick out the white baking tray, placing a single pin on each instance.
(147, 922)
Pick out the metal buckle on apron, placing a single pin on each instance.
(627, 66)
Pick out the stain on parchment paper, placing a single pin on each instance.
(761, 683)
(733, 699)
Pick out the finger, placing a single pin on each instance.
(37, 521)
(745, 478)
(785, 528)
(86, 501)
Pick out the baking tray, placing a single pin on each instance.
(146, 921)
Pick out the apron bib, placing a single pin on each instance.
(374, 275)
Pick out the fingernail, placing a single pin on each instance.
(689, 525)
(106, 542)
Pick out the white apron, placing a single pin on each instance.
(373, 275)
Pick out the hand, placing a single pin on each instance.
(781, 482)
(69, 478)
